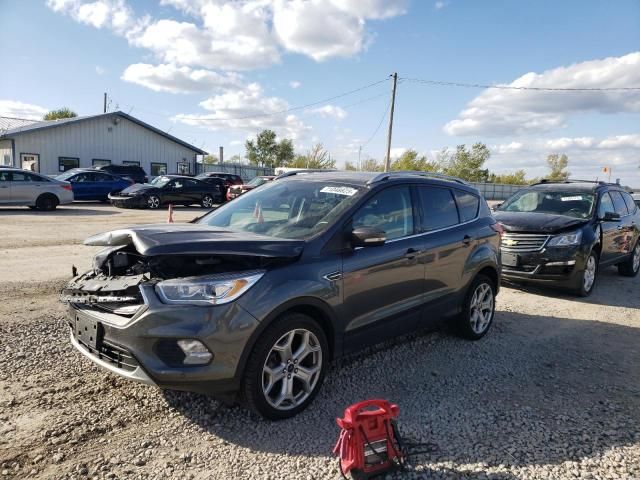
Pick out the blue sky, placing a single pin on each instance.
(178, 63)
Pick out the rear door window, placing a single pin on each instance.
(618, 203)
(628, 199)
(438, 208)
(468, 205)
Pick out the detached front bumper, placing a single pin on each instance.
(144, 347)
(554, 266)
(139, 201)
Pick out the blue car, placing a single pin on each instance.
(90, 184)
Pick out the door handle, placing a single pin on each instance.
(466, 239)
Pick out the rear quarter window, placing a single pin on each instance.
(468, 205)
(628, 199)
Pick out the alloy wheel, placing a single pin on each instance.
(153, 201)
(207, 201)
(482, 305)
(589, 276)
(292, 369)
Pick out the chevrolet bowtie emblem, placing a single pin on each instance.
(510, 242)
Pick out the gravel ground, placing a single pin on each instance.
(553, 392)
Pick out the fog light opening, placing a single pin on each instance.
(195, 352)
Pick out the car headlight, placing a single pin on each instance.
(566, 240)
(210, 290)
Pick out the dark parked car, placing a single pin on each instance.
(133, 172)
(560, 234)
(174, 189)
(229, 179)
(259, 295)
(89, 184)
(237, 190)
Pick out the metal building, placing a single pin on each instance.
(51, 147)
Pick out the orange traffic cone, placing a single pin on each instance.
(170, 219)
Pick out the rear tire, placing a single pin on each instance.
(631, 266)
(47, 202)
(207, 201)
(286, 367)
(153, 202)
(589, 275)
(479, 309)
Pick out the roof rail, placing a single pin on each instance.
(302, 171)
(386, 175)
(575, 180)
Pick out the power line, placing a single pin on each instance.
(384, 115)
(510, 87)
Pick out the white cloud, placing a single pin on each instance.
(440, 5)
(242, 34)
(397, 152)
(330, 111)
(247, 110)
(100, 70)
(498, 112)
(17, 109)
(173, 79)
(587, 156)
(295, 84)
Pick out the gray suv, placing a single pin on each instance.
(258, 296)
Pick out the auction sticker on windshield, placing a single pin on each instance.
(347, 191)
(571, 199)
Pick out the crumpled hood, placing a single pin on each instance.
(196, 239)
(536, 222)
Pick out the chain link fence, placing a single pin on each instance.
(247, 172)
(496, 191)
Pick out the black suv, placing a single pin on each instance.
(133, 172)
(559, 234)
(259, 295)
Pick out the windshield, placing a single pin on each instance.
(160, 181)
(256, 182)
(67, 175)
(286, 209)
(570, 204)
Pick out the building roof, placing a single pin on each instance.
(33, 127)
(8, 123)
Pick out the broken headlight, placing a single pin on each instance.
(210, 290)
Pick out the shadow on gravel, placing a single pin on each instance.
(621, 291)
(537, 390)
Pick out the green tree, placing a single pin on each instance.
(466, 163)
(349, 166)
(409, 160)
(316, 157)
(515, 178)
(210, 159)
(267, 152)
(63, 112)
(558, 165)
(371, 165)
(235, 159)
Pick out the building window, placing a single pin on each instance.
(67, 163)
(130, 162)
(6, 159)
(30, 161)
(99, 162)
(184, 168)
(158, 169)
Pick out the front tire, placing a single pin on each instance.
(286, 367)
(46, 202)
(153, 202)
(479, 309)
(631, 266)
(588, 277)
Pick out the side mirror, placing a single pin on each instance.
(368, 237)
(611, 217)
(496, 206)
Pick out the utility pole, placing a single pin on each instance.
(359, 167)
(104, 103)
(387, 160)
(221, 154)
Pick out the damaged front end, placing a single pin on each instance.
(185, 263)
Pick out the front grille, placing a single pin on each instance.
(523, 242)
(115, 355)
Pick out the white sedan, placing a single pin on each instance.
(24, 187)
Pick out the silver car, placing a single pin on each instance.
(23, 187)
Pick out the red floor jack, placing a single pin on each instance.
(370, 444)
